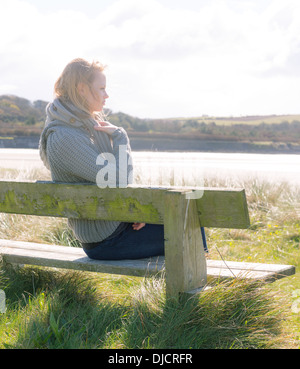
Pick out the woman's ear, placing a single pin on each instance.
(81, 88)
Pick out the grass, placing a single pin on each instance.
(250, 120)
(50, 309)
(65, 309)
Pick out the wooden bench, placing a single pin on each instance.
(182, 211)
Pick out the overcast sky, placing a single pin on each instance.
(166, 58)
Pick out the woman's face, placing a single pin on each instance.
(95, 94)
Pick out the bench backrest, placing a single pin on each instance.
(216, 207)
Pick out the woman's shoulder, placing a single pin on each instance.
(61, 128)
(63, 134)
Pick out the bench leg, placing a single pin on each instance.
(184, 253)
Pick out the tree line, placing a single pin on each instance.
(19, 116)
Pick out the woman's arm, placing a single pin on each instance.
(110, 129)
(70, 152)
(118, 163)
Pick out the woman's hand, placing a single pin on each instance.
(138, 226)
(106, 127)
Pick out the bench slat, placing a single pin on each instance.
(233, 265)
(84, 201)
(220, 208)
(74, 258)
(229, 209)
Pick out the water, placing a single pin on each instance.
(186, 168)
(196, 166)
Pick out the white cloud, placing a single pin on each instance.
(225, 58)
(4, 88)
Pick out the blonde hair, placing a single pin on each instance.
(77, 71)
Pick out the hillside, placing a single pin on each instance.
(20, 117)
(17, 109)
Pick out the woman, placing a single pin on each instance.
(74, 136)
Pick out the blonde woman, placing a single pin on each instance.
(75, 144)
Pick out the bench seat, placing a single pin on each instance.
(74, 258)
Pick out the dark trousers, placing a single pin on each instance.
(130, 244)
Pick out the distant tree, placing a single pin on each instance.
(30, 121)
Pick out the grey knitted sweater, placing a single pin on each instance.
(69, 146)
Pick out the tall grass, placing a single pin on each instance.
(63, 309)
(51, 309)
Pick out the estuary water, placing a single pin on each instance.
(186, 168)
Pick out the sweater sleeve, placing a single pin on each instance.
(72, 153)
(121, 165)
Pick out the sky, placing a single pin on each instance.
(165, 58)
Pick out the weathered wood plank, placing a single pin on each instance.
(233, 265)
(216, 208)
(233, 269)
(223, 209)
(184, 253)
(222, 273)
(84, 201)
(74, 258)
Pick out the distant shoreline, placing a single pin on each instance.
(173, 144)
